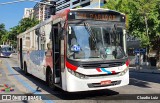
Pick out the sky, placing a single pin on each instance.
(11, 14)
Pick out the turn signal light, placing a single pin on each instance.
(127, 63)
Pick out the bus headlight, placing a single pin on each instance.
(123, 72)
(79, 75)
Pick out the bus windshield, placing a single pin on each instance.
(6, 49)
(95, 42)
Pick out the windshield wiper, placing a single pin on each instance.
(90, 32)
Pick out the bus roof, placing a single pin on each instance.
(95, 9)
(64, 12)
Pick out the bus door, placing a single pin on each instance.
(21, 54)
(56, 55)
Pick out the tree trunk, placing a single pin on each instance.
(147, 29)
(146, 23)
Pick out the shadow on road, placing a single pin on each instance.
(143, 79)
(4, 57)
(138, 83)
(60, 94)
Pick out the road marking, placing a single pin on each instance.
(25, 84)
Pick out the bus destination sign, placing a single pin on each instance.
(95, 16)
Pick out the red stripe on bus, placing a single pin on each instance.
(70, 66)
(113, 72)
(98, 69)
(127, 63)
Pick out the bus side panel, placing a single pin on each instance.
(35, 61)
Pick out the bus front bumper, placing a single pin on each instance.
(75, 84)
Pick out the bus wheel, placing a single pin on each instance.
(25, 69)
(50, 80)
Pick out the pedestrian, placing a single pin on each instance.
(137, 61)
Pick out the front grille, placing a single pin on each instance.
(102, 75)
(94, 85)
(102, 65)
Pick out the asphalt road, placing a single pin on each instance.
(140, 83)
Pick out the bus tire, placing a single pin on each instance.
(50, 80)
(25, 69)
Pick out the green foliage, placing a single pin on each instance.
(3, 32)
(26, 23)
(143, 17)
(78, 7)
(11, 36)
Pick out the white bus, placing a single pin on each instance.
(77, 50)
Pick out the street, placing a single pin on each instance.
(140, 83)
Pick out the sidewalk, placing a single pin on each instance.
(145, 69)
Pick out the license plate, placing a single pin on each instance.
(106, 82)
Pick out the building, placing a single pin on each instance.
(63, 4)
(28, 13)
(42, 12)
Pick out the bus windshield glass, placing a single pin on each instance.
(6, 49)
(95, 42)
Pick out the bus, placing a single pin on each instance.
(77, 50)
(6, 50)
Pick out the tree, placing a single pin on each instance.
(146, 10)
(3, 32)
(26, 23)
(121, 6)
(78, 7)
(142, 17)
